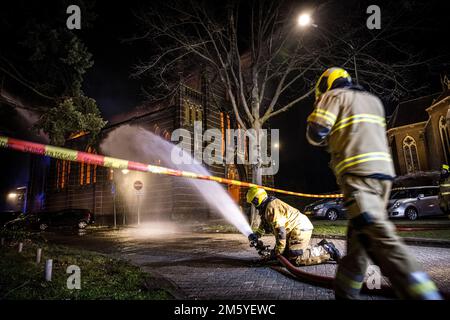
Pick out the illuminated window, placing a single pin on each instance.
(410, 153)
(193, 116)
(88, 169)
(167, 135)
(62, 173)
(81, 174)
(65, 174)
(110, 174)
(57, 172)
(88, 174)
(445, 143)
(191, 112)
(199, 114)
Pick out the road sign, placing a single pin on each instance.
(138, 185)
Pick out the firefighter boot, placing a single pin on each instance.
(311, 256)
(331, 249)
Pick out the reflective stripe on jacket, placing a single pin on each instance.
(444, 189)
(355, 132)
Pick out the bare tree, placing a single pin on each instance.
(264, 61)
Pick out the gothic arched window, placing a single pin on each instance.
(445, 143)
(410, 153)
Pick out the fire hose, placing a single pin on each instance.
(327, 282)
(319, 280)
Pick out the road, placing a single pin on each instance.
(222, 265)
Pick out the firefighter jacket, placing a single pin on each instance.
(279, 218)
(351, 122)
(444, 192)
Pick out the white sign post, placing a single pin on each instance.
(139, 192)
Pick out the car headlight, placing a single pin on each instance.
(318, 207)
(396, 205)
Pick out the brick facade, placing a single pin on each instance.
(418, 134)
(86, 186)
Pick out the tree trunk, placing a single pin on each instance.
(256, 172)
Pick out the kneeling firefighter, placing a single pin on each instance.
(291, 228)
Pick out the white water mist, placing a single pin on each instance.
(137, 144)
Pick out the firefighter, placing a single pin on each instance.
(291, 228)
(351, 123)
(444, 189)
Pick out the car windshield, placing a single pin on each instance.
(401, 194)
(413, 193)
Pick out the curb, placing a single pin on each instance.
(411, 241)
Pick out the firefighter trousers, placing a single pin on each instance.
(299, 251)
(372, 236)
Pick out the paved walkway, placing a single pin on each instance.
(223, 266)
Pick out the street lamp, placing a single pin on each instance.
(125, 171)
(305, 20)
(276, 145)
(12, 195)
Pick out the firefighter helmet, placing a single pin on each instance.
(330, 79)
(256, 195)
(445, 167)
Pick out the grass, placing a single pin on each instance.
(339, 228)
(330, 229)
(433, 234)
(101, 276)
(222, 228)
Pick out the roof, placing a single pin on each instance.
(412, 111)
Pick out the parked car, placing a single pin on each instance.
(330, 209)
(7, 216)
(79, 218)
(414, 202)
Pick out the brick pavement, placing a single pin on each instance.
(223, 266)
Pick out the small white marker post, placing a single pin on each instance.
(38, 255)
(48, 270)
(20, 246)
(2, 241)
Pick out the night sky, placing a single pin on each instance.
(303, 168)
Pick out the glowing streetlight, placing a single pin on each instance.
(305, 20)
(125, 171)
(12, 195)
(276, 145)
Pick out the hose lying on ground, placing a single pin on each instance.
(327, 282)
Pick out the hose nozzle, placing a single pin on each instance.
(262, 249)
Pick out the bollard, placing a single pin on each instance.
(48, 270)
(20, 246)
(38, 255)
(2, 241)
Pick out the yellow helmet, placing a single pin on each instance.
(328, 79)
(256, 195)
(445, 167)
